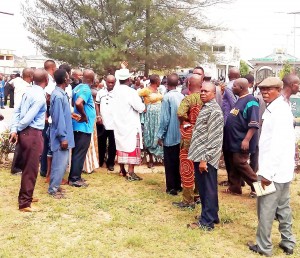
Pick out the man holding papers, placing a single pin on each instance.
(276, 164)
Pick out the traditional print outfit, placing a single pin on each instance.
(152, 101)
(126, 106)
(189, 109)
(206, 145)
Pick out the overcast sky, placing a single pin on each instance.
(258, 26)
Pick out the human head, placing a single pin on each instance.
(172, 81)
(207, 92)
(27, 75)
(110, 82)
(270, 88)
(195, 82)
(250, 79)
(240, 87)
(61, 77)
(154, 79)
(199, 70)
(291, 82)
(50, 67)
(233, 73)
(88, 77)
(66, 67)
(77, 74)
(40, 78)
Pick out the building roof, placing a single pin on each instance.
(277, 56)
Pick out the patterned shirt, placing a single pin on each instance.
(207, 136)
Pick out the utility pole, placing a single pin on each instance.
(6, 13)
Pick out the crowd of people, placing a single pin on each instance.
(74, 118)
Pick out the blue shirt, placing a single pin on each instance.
(169, 124)
(83, 91)
(32, 110)
(61, 128)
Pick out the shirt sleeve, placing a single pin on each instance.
(98, 97)
(58, 119)
(84, 93)
(16, 119)
(251, 113)
(164, 119)
(183, 109)
(137, 103)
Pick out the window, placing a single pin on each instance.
(1, 57)
(9, 58)
(218, 48)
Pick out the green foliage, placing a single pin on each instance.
(99, 34)
(5, 146)
(286, 69)
(244, 68)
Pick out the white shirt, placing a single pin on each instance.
(21, 87)
(277, 143)
(51, 85)
(104, 99)
(126, 106)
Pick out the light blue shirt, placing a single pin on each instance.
(83, 91)
(32, 110)
(61, 128)
(169, 124)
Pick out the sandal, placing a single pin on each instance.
(253, 194)
(57, 195)
(122, 172)
(228, 191)
(150, 165)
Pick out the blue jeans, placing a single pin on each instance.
(59, 165)
(208, 191)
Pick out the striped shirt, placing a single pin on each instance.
(207, 136)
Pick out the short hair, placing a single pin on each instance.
(48, 64)
(199, 67)
(18, 75)
(288, 80)
(154, 78)
(60, 76)
(65, 67)
(123, 81)
(249, 77)
(172, 80)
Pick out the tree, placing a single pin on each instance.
(244, 68)
(286, 69)
(100, 33)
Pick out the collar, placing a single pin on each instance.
(275, 103)
(61, 90)
(212, 102)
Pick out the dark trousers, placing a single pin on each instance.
(240, 169)
(82, 143)
(254, 160)
(226, 156)
(171, 162)
(30, 146)
(17, 156)
(43, 168)
(111, 150)
(208, 191)
(11, 93)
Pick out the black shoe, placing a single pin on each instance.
(179, 190)
(78, 183)
(197, 199)
(110, 168)
(133, 177)
(183, 205)
(286, 250)
(254, 248)
(43, 174)
(172, 192)
(17, 173)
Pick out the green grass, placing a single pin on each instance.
(116, 218)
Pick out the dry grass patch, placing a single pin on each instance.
(116, 218)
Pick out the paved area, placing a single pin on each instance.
(7, 113)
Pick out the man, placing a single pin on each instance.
(169, 135)
(105, 119)
(2, 83)
(83, 128)
(290, 86)
(276, 164)
(197, 70)
(21, 85)
(126, 107)
(69, 87)
(205, 152)
(26, 131)
(9, 91)
(240, 137)
(61, 132)
(76, 78)
(228, 101)
(50, 67)
(187, 113)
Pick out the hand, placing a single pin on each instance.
(64, 145)
(75, 116)
(83, 119)
(265, 182)
(160, 142)
(99, 121)
(245, 145)
(13, 138)
(203, 166)
(124, 64)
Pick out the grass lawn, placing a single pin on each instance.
(116, 218)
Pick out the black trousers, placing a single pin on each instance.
(17, 156)
(208, 191)
(82, 143)
(43, 168)
(111, 150)
(226, 155)
(171, 162)
(254, 160)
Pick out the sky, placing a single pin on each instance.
(257, 26)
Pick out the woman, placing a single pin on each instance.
(152, 99)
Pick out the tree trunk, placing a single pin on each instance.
(147, 39)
